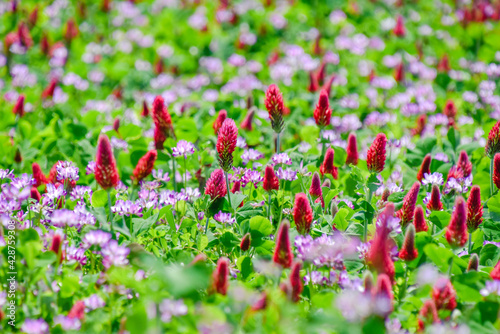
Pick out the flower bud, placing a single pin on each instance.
(375, 157)
(302, 213)
(283, 253)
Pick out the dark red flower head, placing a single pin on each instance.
(226, 143)
(313, 83)
(261, 303)
(216, 185)
(379, 257)
(399, 72)
(428, 314)
(327, 166)
(56, 246)
(473, 264)
(352, 150)
(464, 164)
(444, 64)
(106, 173)
(399, 29)
(493, 142)
(302, 213)
(450, 110)
(315, 190)
(425, 168)
(49, 90)
(375, 157)
(163, 123)
(246, 124)
(116, 124)
(419, 220)
(283, 252)
(323, 113)
(245, 242)
(275, 107)
(496, 170)
(77, 311)
(420, 127)
(296, 282)
(38, 175)
(236, 187)
(145, 109)
(19, 106)
(456, 232)
(327, 87)
(384, 294)
(474, 209)
(35, 194)
(495, 273)
(408, 210)
(444, 295)
(221, 117)
(24, 35)
(321, 74)
(71, 30)
(145, 166)
(271, 181)
(408, 251)
(434, 203)
(220, 277)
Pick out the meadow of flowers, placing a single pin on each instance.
(252, 166)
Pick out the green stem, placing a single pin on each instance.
(174, 178)
(269, 208)
(405, 285)
(206, 225)
(369, 200)
(185, 173)
(470, 242)
(110, 214)
(277, 143)
(310, 284)
(491, 177)
(228, 190)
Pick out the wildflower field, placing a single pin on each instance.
(251, 166)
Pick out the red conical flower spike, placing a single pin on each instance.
(77, 311)
(246, 124)
(71, 30)
(419, 220)
(327, 166)
(216, 185)
(352, 150)
(261, 303)
(399, 73)
(473, 264)
(464, 164)
(384, 294)
(296, 282)
(379, 257)
(444, 64)
(302, 213)
(38, 175)
(106, 173)
(275, 107)
(19, 106)
(434, 203)
(245, 242)
(236, 187)
(419, 129)
(315, 190)
(375, 157)
(283, 253)
(428, 314)
(56, 246)
(221, 117)
(408, 210)
(323, 113)
(271, 181)
(145, 109)
(496, 170)
(474, 209)
(220, 277)
(408, 252)
(145, 166)
(444, 295)
(493, 142)
(49, 91)
(495, 273)
(163, 123)
(425, 168)
(35, 194)
(226, 143)
(450, 110)
(399, 29)
(456, 232)
(313, 83)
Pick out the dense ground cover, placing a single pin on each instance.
(249, 166)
